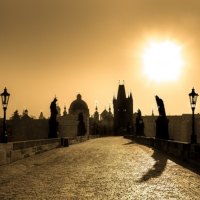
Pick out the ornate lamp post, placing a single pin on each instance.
(193, 99)
(5, 98)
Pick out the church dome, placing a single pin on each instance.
(78, 105)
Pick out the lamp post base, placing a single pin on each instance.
(162, 128)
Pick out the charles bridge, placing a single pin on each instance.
(69, 157)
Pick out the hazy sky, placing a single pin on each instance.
(62, 47)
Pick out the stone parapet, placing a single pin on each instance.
(182, 150)
(14, 151)
(195, 154)
(179, 127)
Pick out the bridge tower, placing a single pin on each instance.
(123, 111)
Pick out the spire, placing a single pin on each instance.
(41, 116)
(109, 109)
(96, 114)
(114, 97)
(78, 97)
(121, 92)
(96, 108)
(131, 97)
(152, 114)
(64, 112)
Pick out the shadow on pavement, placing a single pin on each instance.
(157, 169)
(185, 164)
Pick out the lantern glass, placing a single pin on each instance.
(5, 98)
(193, 98)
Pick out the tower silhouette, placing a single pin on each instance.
(123, 111)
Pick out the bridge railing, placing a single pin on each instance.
(13, 151)
(181, 150)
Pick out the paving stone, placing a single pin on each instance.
(104, 168)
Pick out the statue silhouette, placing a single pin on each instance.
(161, 107)
(53, 124)
(81, 125)
(161, 121)
(53, 109)
(139, 124)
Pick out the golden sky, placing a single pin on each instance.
(62, 47)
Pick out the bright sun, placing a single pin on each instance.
(162, 61)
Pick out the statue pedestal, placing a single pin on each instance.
(162, 128)
(140, 127)
(53, 128)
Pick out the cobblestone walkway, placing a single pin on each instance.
(104, 168)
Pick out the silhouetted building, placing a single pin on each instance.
(58, 110)
(96, 115)
(16, 115)
(25, 115)
(78, 106)
(41, 116)
(65, 111)
(94, 123)
(76, 121)
(22, 127)
(123, 111)
(106, 122)
(101, 126)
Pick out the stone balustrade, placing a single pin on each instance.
(13, 151)
(181, 150)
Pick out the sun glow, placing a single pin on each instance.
(162, 61)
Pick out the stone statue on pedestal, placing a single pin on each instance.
(53, 124)
(139, 124)
(161, 121)
(81, 125)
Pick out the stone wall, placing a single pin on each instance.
(68, 126)
(28, 129)
(32, 129)
(181, 150)
(14, 151)
(180, 127)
